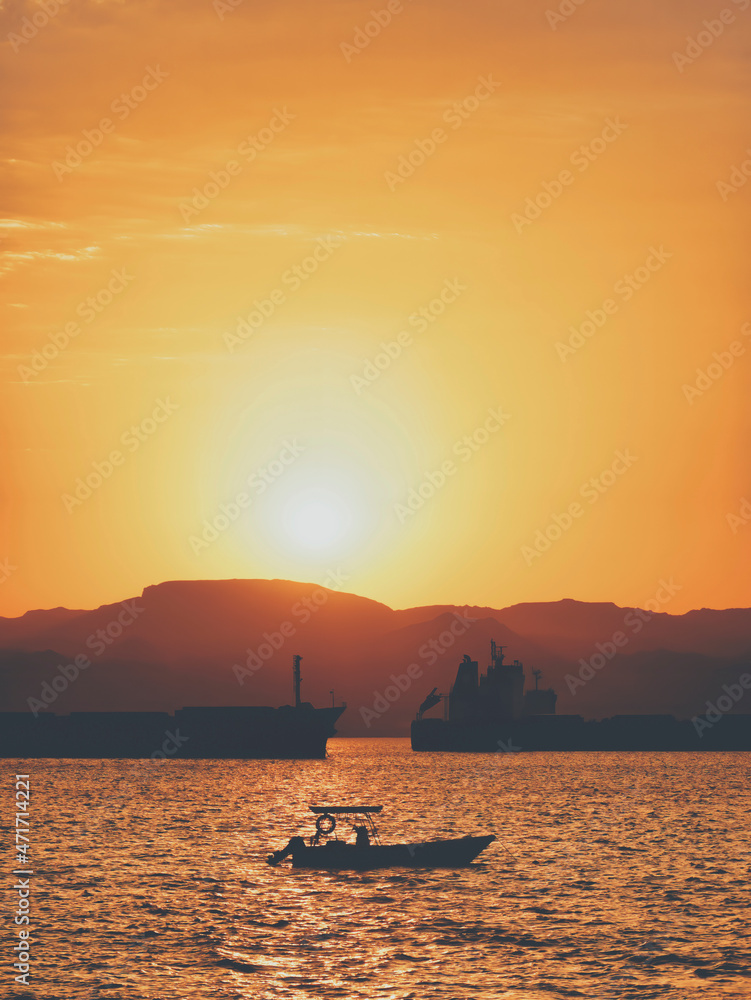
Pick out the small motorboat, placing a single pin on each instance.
(327, 851)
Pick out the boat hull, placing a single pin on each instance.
(232, 733)
(572, 732)
(336, 855)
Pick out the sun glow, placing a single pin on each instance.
(320, 444)
(316, 519)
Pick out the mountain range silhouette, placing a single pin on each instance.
(230, 642)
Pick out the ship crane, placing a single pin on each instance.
(432, 699)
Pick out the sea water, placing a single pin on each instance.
(614, 875)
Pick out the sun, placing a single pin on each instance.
(325, 508)
(316, 520)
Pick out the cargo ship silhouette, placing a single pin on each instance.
(492, 712)
(291, 732)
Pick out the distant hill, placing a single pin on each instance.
(187, 642)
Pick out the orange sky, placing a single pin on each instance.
(304, 133)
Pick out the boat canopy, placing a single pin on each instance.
(340, 810)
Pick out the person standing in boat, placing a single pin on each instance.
(362, 839)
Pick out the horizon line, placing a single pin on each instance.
(413, 607)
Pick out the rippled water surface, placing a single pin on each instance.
(615, 875)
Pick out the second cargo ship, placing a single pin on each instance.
(492, 712)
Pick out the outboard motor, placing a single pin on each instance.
(294, 844)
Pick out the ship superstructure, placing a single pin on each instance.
(492, 712)
(498, 695)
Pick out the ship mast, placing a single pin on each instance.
(296, 678)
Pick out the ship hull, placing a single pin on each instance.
(562, 733)
(194, 733)
(336, 855)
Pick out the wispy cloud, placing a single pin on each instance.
(10, 260)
